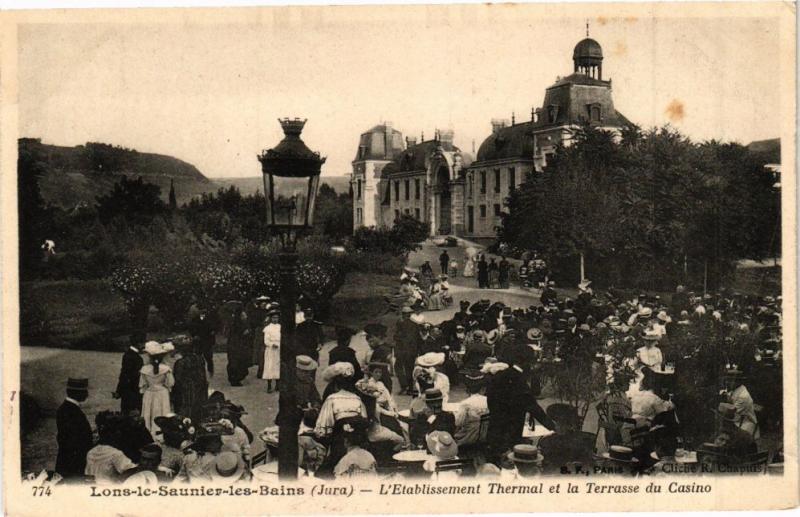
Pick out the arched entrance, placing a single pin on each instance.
(443, 201)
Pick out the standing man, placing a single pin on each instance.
(379, 354)
(406, 337)
(128, 383)
(256, 318)
(308, 336)
(203, 327)
(509, 397)
(74, 435)
(444, 262)
(238, 346)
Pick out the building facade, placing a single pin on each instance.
(436, 182)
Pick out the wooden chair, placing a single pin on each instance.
(756, 459)
(465, 465)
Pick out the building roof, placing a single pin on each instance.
(587, 48)
(413, 158)
(507, 143)
(572, 95)
(381, 142)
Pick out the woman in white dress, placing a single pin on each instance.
(469, 265)
(155, 383)
(271, 369)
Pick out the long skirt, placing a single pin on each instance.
(155, 403)
(469, 268)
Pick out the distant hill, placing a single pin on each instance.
(253, 184)
(77, 175)
(770, 149)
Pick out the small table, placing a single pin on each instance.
(413, 456)
(535, 434)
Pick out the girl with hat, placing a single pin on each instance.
(356, 462)
(200, 461)
(177, 434)
(343, 402)
(270, 367)
(155, 383)
(105, 462)
(650, 355)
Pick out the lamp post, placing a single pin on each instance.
(291, 177)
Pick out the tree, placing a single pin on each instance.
(135, 200)
(34, 216)
(173, 202)
(333, 213)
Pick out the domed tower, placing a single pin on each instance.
(376, 148)
(588, 58)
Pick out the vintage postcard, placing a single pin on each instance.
(399, 259)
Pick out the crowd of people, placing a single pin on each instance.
(678, 377)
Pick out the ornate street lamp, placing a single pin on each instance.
(291, 177)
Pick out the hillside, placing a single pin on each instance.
(770, 149)
(77, 175)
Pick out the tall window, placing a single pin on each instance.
(397, 191)
(497, 180)
(483, 182)
(483, 210)
(408, 189)
(416, 190)
(408, 211)
(497, 210)
(396, 215)
(358, 190)
(359, 216)
(471, 180)
(416, 213)
(512, 178)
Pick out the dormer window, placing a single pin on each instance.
(552, 113)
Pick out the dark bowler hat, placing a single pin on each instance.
(78, 384)
(433, 394)
(375, 329)
(151, 452)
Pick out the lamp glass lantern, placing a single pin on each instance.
(291, 177)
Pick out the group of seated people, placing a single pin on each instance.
(180, 449)
(431, 293)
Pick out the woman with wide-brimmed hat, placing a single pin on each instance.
(191, 385)
(155, 383)
(343, 402)
(270, 367)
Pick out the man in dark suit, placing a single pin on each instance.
(406, 340)
(128, 384)
(203, 328)
(509, 397)
(308, 335)
(74, 435)
(342, 353)
(379, 354)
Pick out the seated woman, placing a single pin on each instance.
(357, 461)
(646, 404)
(343, 402)
(430, 364)
(435, 296)
(199, 463)
(384, 425)
(105, 461)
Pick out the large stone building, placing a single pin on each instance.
(436, 182)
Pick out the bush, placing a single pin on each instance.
(401, 239)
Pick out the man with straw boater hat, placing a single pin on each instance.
(74, 432)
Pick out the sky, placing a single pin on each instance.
(211, 93)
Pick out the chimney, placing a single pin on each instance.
(446, 136)
(411, 141)
(387, 139)
(498, 124)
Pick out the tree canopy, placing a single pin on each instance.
(647, 209)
